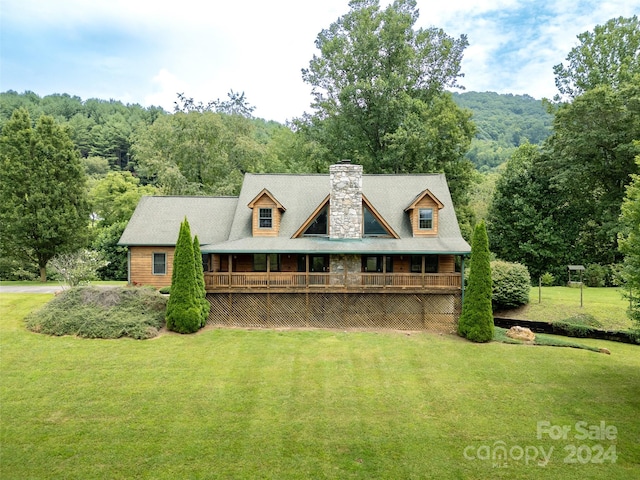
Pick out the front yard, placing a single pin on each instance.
(238, 403)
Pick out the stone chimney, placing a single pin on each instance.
(345, 218)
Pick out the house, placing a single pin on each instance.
(343, 250)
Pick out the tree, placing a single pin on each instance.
(43, 201)
(476, 321)
(237, 104)
(184, 309)
(197, 153)
(606, 56)
(592, 154)
(115, 197)
(378, 94)
(106, 243)
(629, 243)
(201, 292)
(527, 215)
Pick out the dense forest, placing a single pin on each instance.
(106, 129)
(556, 181)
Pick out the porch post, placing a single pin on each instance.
(268, 270)
(345, 266)
(306, 269)
(230, 268)
(384, 271)
(423, 269)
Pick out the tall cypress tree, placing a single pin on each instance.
(476, 321)
(201, 292)
(184, 310)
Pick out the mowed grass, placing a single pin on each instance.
(306, 404)
(607, 305)
(36, 283)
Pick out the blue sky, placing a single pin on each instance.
(145, 52)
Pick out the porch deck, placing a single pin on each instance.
(330, 282)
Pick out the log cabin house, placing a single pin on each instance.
(345, 250)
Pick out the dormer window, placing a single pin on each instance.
(426, 219)
(267, 214)
(266, 218)
(423, 214)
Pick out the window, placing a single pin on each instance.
(430, 263)
(426, 218)
(159, 263)
(260, 262)
(266, 219)
(317, 263)
(373, 264)
(319, 224)
(372, 227)
(416, 263)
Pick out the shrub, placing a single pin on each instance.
(548, 279)
(583, 319)
(581, 325)
(476, 321)
(93, 312)
(78, 268)
(511, 284)
(571, 329)
(184, 309)
(201, 293)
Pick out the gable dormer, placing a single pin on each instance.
(267, 214)
(424, 213)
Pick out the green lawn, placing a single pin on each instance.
(607, 305)
(307, 404)
(37, 283)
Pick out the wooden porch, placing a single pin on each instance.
(291, 282)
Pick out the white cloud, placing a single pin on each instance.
(166, 86)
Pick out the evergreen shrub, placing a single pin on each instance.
(476, 321)
(184, 309)
(548, 279)
(201, 292)
(511, 284)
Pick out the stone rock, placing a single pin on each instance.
(521, 333)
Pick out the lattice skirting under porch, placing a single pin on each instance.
(432, 312)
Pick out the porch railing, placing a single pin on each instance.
(311, 280)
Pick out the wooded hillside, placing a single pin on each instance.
(503, 122)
